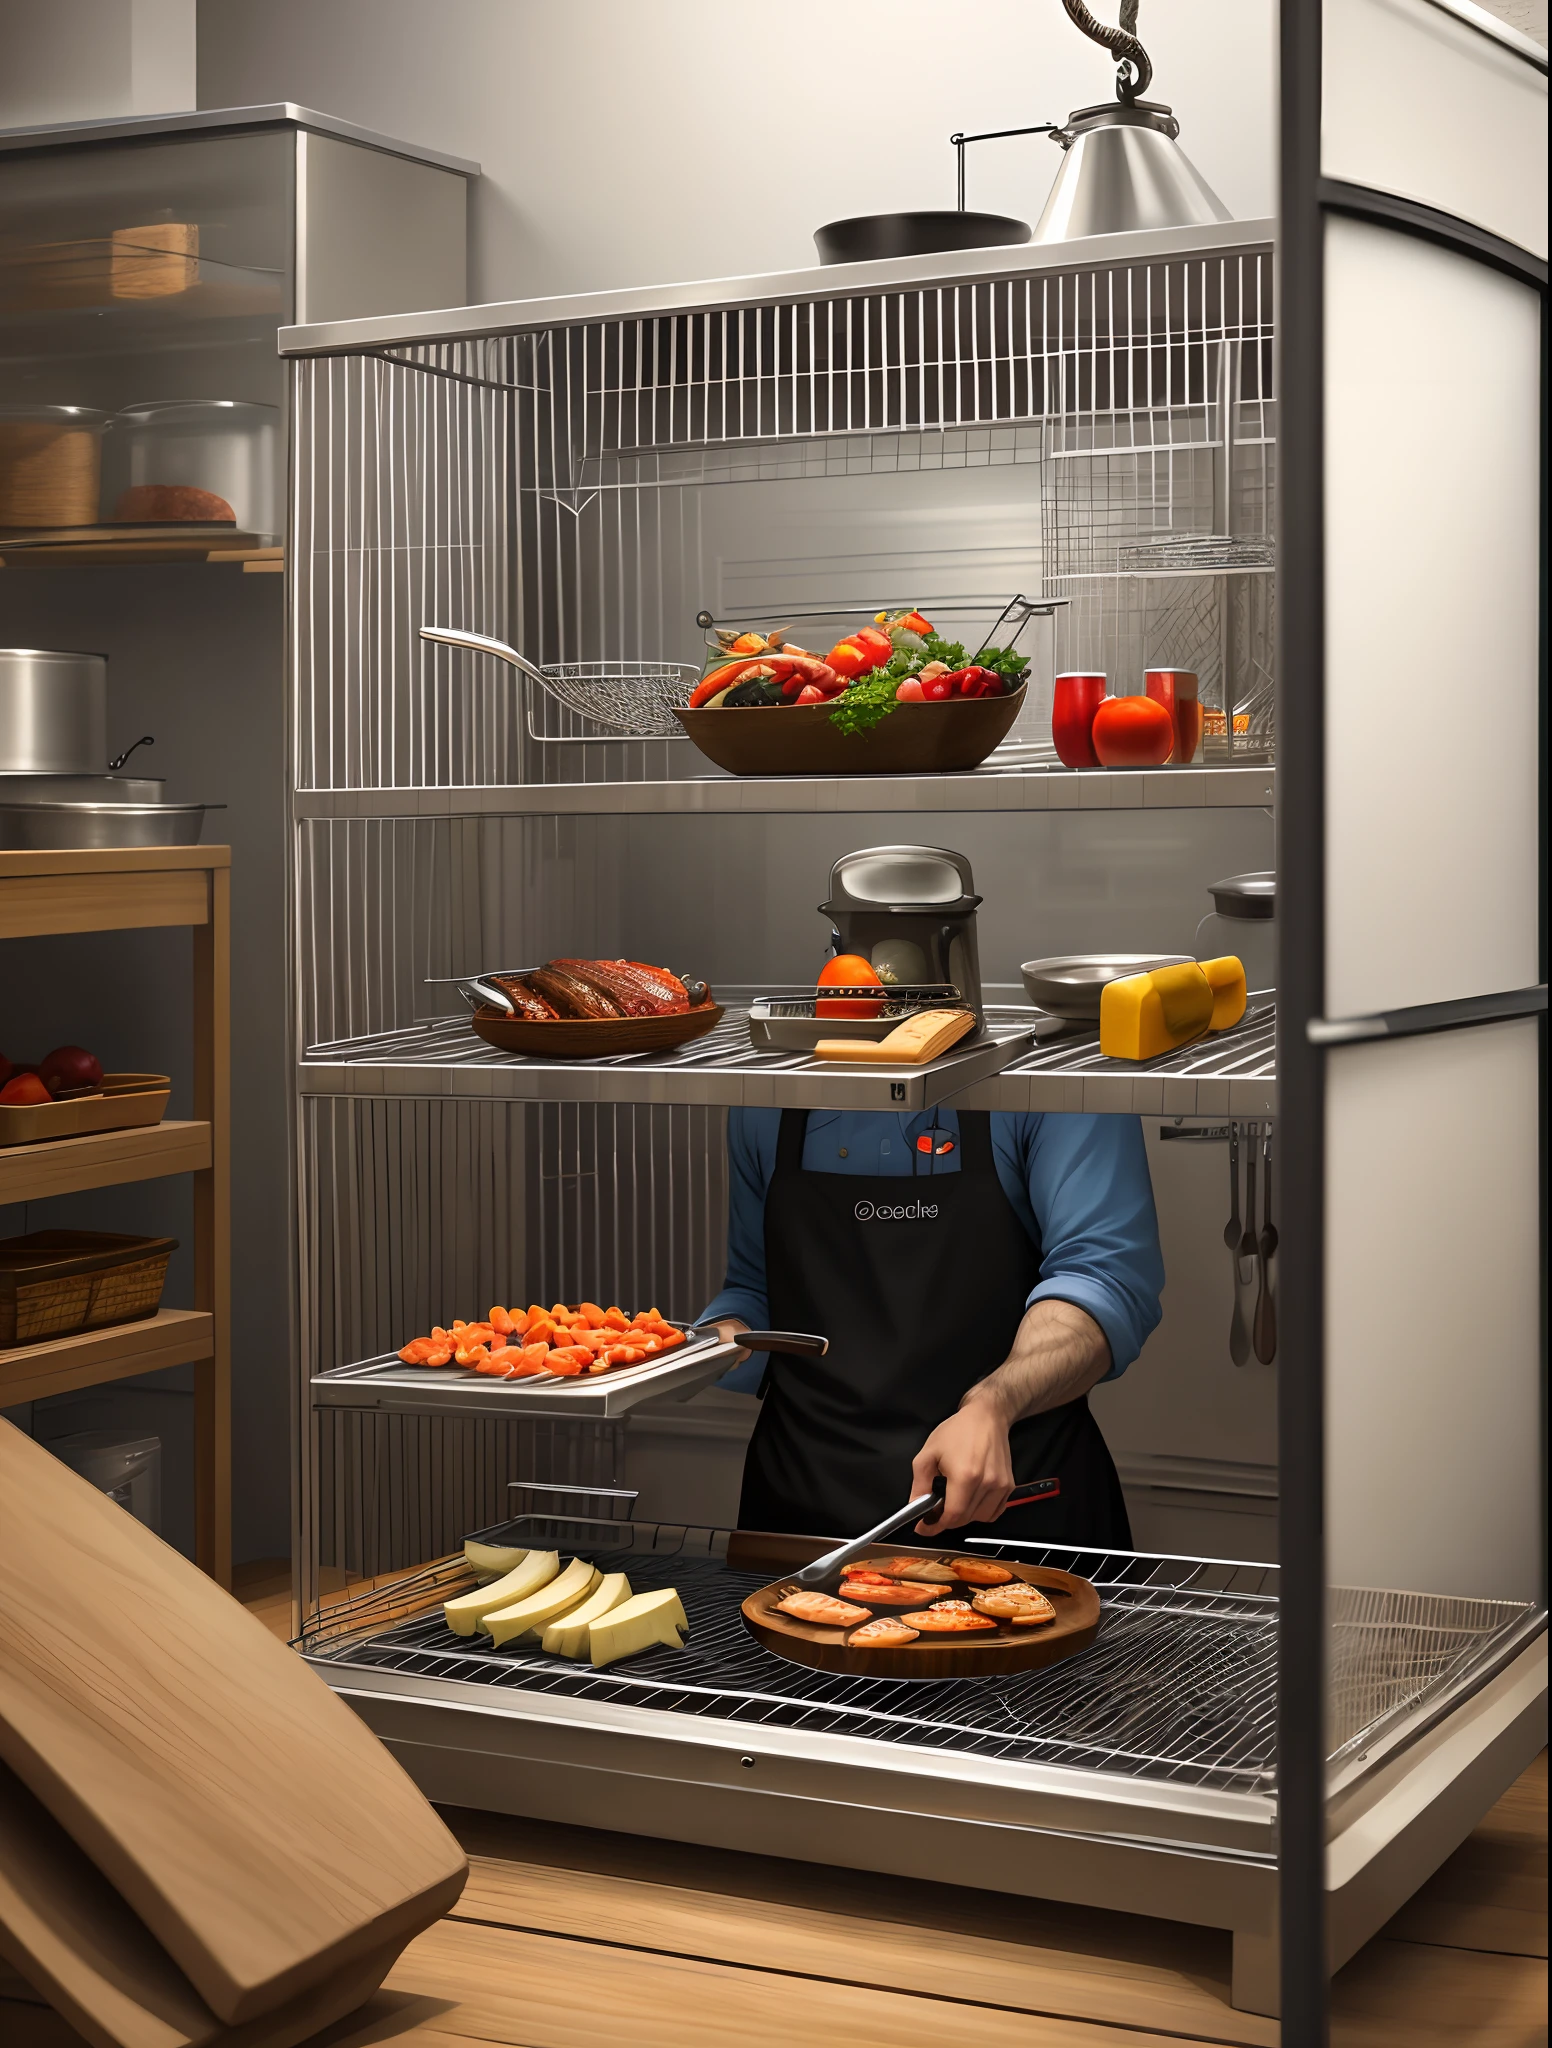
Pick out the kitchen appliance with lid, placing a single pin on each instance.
(1243, 921)
(910, 910)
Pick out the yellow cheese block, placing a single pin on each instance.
(468, 1610)
(1148, 1014)
(492, 1560)
(531, 1617)
(911, 1044)
(567, 1636)
(649, 1621)
(1226, 979)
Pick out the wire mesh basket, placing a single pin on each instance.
(632, 699)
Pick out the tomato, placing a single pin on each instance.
(911, 691)
(974, 682)
(26, 1089)
(873, 642)
(809, 695)
(1133, 732)
(849, 970)
(860, 652)
(938, 689)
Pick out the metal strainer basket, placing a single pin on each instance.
(625, 700)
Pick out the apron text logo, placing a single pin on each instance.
(897, 1212)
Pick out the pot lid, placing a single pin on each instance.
(1249, 896)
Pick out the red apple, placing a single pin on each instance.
(70, 1070)
(23, 1089)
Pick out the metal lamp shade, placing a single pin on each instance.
(1123, 169)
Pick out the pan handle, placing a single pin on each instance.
(790, 1343)
(481, 643)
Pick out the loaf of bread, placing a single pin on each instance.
(148, 504)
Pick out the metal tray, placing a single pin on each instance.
(788, 1018)
(389, 1383)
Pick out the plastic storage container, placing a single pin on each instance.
(194, 461)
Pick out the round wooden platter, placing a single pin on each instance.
(592, 1038)
(983, 1655)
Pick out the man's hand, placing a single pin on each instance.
(971, 1450)
(1058, 1353)
(728, 1328)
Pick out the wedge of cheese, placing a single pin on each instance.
(1226, 979)
(1148, 1014)
(567, 1636)
(649, 1621)
(492, 1560)
(468, 1610)
(911, 1044)
(532, 1616)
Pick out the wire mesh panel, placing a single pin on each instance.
(414, 1212)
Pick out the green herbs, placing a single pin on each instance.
(871, 698)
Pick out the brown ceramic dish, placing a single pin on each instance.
(588, 1038)
(915, 739)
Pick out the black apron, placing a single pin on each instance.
(920, 1284)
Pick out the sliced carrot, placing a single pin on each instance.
(438, 1334)
(616, 1319)
(570, 1360)
(415, 1353)
(470, 1354)
(592, 1315)
(459, 1325)
(501, 1322)
(440, 1354)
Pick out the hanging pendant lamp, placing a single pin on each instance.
(1123, 168)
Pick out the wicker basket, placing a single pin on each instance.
(56, 1283)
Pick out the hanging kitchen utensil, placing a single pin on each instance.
(1264, 1324)
(265, 1838)
(1231, 1229)
(1122, 168)
(626, 700)
(1245, 1262)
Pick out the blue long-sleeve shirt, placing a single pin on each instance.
(1079, 1183)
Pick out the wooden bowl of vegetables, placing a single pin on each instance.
(879, 703)
(803, 739)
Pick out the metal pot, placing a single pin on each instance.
(53, 712)
(83, 789)
(37, 827)
(1124, 170)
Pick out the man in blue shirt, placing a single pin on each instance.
(975, 1274)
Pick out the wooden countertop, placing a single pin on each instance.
(571, 1937)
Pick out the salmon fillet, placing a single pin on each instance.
(821, 1610)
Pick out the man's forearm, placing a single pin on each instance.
(1058, 1353)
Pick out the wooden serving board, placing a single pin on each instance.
(982, 1655)
(593, 1038)
(77, 1946)
(262, 1834)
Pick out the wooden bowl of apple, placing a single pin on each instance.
(67, 1095)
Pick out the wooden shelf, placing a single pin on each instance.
(74, 546)
(125, 889)
(173, 1336)
(102, 1159)
(106, 889)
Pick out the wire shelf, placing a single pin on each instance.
(446, 1058)
(1231, 1073)
(1180, 1686)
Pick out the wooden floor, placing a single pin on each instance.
(568, 1937)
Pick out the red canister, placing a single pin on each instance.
(1076, 699)
(1177, 690)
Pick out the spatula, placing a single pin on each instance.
(1245, 1263)
(824, 1574)
(1264, 1323)
(262, 1834)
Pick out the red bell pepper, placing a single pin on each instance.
(975, 682)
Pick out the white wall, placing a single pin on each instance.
(629, 143)
(81, 60)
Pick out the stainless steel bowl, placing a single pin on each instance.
(42, 827)
(1070, 984)
(82, 789)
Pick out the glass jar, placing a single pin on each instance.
(196, 460)
(1243, 921)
